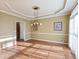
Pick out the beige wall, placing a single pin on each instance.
(46, 31)
(8, 26)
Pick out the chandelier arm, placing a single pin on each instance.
(35, 23)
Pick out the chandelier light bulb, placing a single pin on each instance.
(34, 23)
(40, 23)
(37, 23)
(31, 24)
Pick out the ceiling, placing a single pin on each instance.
(48, 8)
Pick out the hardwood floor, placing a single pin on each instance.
(34, 49)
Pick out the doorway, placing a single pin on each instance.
(18, 31)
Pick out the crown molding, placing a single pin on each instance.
(9, 13)
(15, 11)
(50, 16)
(56, 11)
(30, 18)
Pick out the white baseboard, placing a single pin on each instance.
(50, 34)
(7, 39)
(50, 41)
(27, 39)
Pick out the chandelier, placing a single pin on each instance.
(35, 23)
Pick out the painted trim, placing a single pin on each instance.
(9, 13)
(74, 12)
(56, 15)
(27, 39)
(50, 41)
(8, 38)
(15, 11)
(29, 36)
(29, 19)
(50, 34)
(1, 36)
(28, 33)
(75, 6)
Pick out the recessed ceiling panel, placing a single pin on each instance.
(25, 6)
(47, 7)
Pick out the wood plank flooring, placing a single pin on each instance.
(34, 49)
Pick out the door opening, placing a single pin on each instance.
(18, 31)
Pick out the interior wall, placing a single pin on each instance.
(46, 30)
(8, 26)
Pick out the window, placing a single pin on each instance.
(73, 34)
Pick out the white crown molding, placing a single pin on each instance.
(50, 16)
(15, 11)
(9, 13)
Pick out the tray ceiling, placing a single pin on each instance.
(48, 8)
